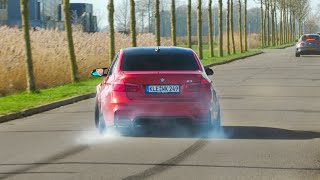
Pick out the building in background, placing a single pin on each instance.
(48, 14)
(14, 16)
(82, 16)
(3, 12)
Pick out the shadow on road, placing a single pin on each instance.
(244, 132)
(230, 132)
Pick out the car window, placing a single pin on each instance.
(159, 62)
(310, 38)
(112, 66)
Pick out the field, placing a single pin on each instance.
(50, 57)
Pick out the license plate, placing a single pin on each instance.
(162, 89)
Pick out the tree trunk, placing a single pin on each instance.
(268, 22)
(228, 27)
(199, 25)
(300, 27)
(210, 28)
(245, 27)
(281, 27)
(68, 28)
(189, 24)
(240, 26)
(276, 24)
(133, 23)
(272, 24)
(220, 29)
(262, 24)
(149, 16)
(232, 28)
(265, 25)
(31, 87)
(111, 31)
(157, 22)
(173, 23)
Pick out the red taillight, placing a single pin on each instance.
(125, 87)
(132, 88)
(204, 85)
(119, 87)
(302, 44)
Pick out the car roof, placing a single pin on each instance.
(153, 50)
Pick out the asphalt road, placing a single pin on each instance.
(271, 130)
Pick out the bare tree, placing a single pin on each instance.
(199, 25)
(189, 23)
(220, 29)
(232, 27)
(210, 28)
(68, 28)
(311, 23)
(133, 24)
(245, 26)
(157, 22)
(173, 23)
(111, 31)
(122, 15)
(228, 27)
(262, 24)
(31, 87)
(302, 10)
(240, 26)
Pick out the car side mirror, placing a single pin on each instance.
(209, 71)
(99, 72)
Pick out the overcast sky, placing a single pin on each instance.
(100, 7)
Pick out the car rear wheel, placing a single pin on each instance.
(297, 54)
(99, 120)
(216, 123)
(102, 127)
(96, 115)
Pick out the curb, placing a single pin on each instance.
(232, 60)
(54, 105)
(46, 107)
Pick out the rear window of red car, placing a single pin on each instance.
(159, 62)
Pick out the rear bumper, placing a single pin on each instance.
(168, 113)
(308, 51)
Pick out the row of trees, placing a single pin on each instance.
(278, 20)
(31, 87)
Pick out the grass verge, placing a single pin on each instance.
(217, 60)
(281, 46)
(21, 101)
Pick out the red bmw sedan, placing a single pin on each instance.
(155, 86)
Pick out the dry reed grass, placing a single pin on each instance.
(50, 57)
(253, 41)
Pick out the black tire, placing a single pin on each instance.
(99, 120)
(297, 54)
(102, 127)
(217, 123)
(96, 115)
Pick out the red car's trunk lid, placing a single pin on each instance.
(164, 85)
